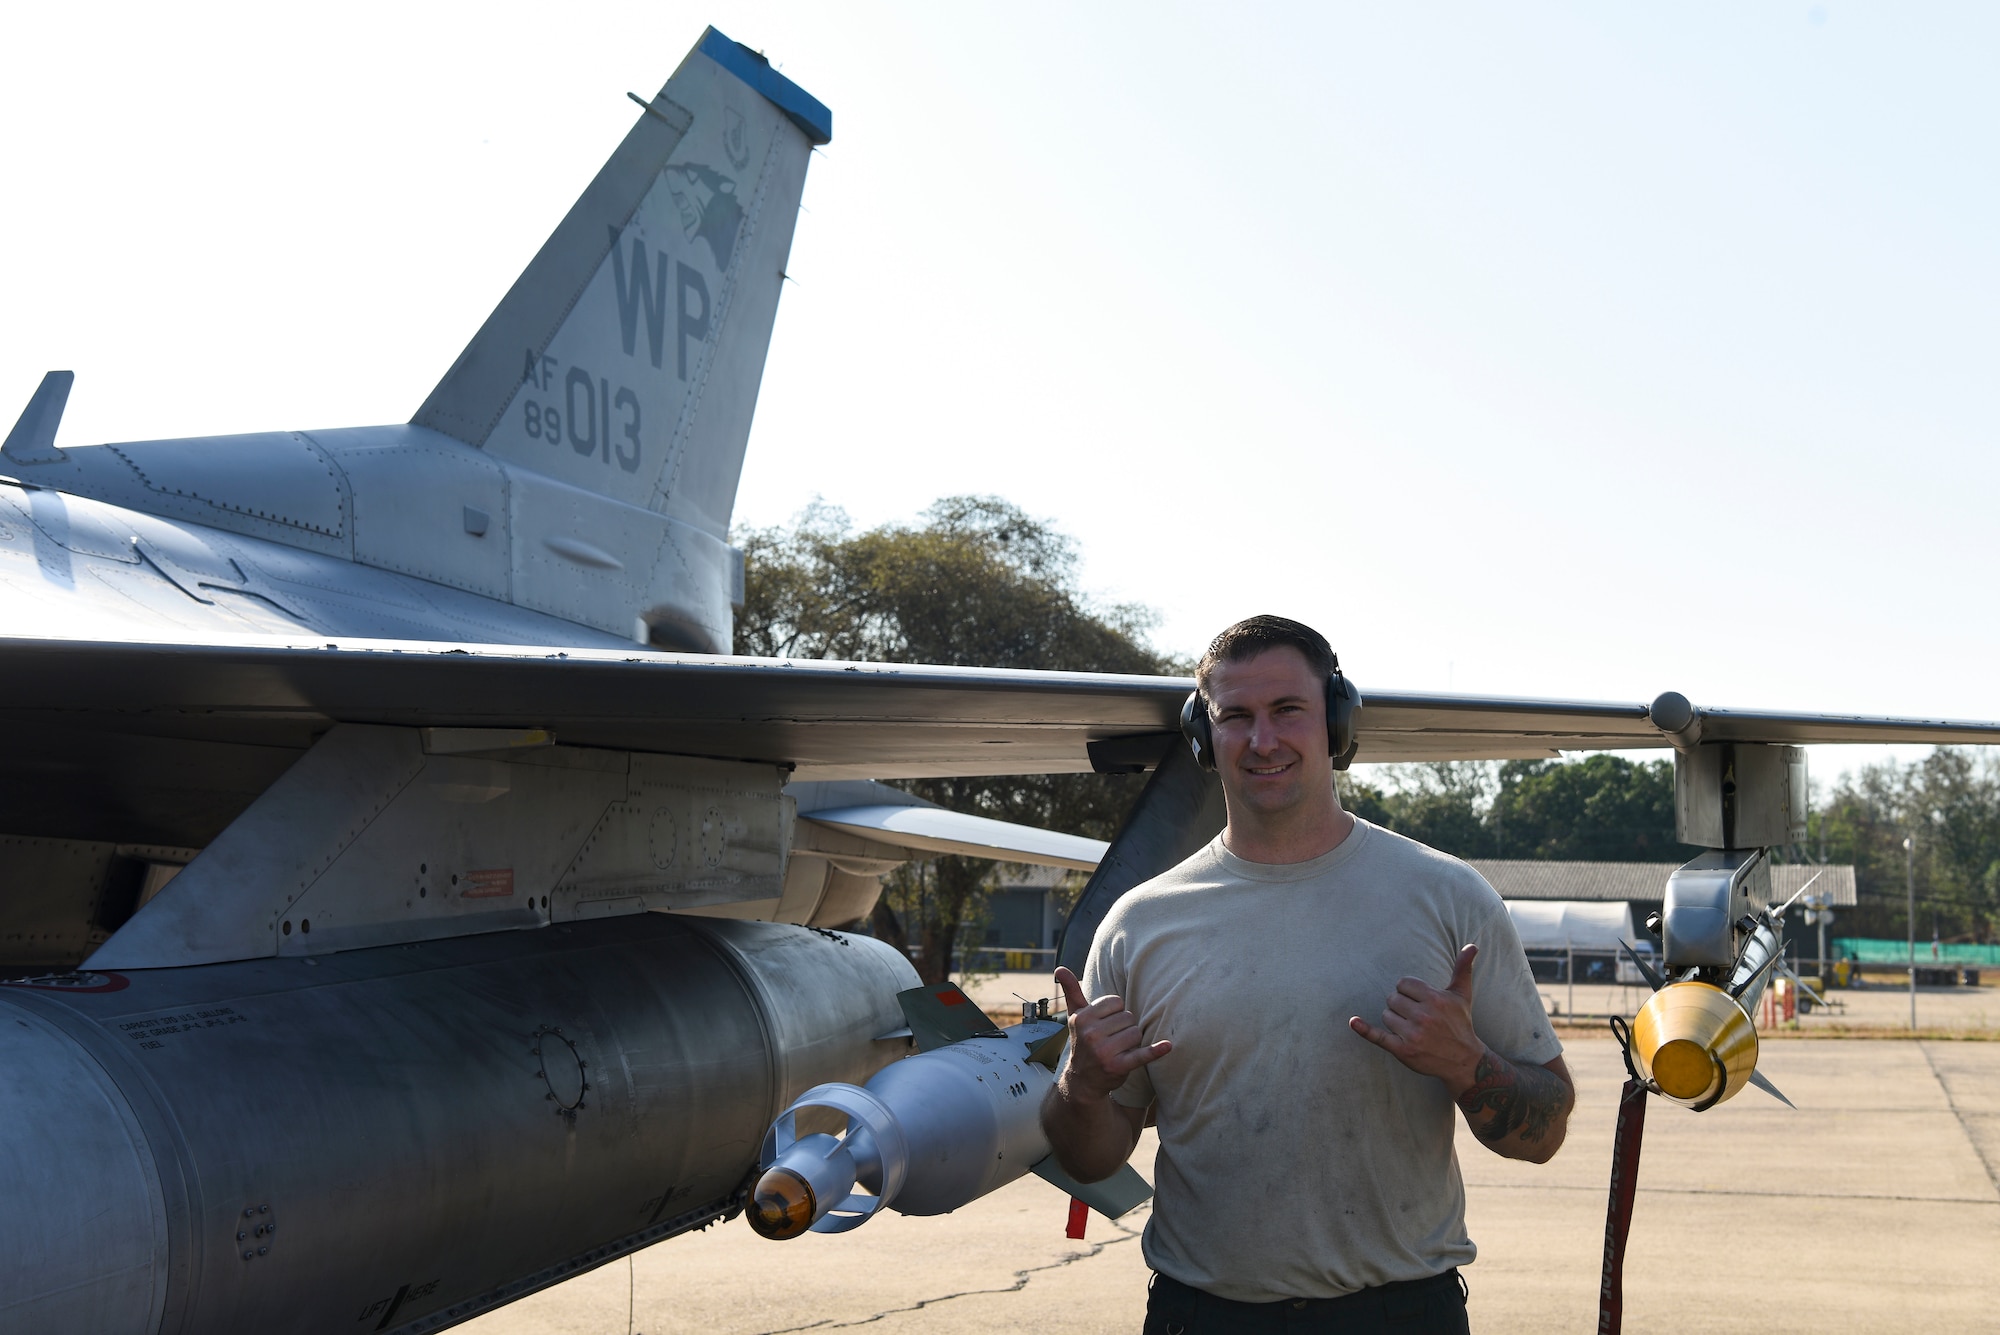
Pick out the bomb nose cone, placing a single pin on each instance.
(1695, 1043)
(782, 1205)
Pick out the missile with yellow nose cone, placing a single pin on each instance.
(1693, 1042)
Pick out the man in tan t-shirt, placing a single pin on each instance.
(1306, 1175)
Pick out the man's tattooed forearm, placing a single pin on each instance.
(1510, 1098)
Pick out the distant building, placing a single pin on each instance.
(1024, 916)
(1025, 912)
(1641, 887)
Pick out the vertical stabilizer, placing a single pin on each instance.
(625, 360)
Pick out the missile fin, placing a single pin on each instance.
(1757, 1079)
(1644, 968)
(1123, 1191)
(1049, 1051)
(941, 1015)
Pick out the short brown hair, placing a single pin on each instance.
(1256, 635)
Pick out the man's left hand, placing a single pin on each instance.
(1429, 1029)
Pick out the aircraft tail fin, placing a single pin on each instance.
(626, 358)
(33, 439)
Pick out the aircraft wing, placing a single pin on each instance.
(1408, 725)
(829, 720)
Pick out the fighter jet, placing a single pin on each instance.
(394, 857)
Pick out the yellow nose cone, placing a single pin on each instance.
(782, 1205)
(1683, 1069)
(1695, 1043)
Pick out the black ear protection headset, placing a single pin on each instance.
(1343, 702)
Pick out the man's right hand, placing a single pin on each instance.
(1105, 1043)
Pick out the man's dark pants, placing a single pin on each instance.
(1434, 1306)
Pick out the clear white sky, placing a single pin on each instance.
(1591, 349)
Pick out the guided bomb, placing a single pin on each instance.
(928, 1134)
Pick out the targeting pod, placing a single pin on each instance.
(926, 1135)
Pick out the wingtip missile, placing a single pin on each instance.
(1694, 1043)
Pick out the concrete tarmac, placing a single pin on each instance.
(1875, 1207)
(1879, 1008)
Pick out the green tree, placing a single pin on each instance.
(1949, 802)
(1443, 804)
(975, 583)
(1599, 808)
(1370, 801)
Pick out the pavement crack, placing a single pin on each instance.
(1992, 1171)
(1021, 1278)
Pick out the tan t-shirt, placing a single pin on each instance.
(1297, 1159)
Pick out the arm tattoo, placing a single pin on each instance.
(1506, 1098)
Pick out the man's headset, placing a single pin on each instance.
(1343, 702)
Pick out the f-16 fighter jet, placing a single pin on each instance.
(392, 857)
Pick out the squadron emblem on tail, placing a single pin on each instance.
(709, 211)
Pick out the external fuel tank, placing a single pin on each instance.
(398, 1139)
